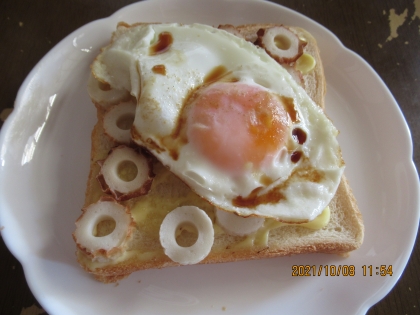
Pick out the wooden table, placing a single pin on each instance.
(29, 29)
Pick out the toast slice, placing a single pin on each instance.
(342, 233)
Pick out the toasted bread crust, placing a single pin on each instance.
(343, 234)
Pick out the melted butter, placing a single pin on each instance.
(306, 63)
(142, 211)
(127, 171)
(260, 237)
(104, 227)
(320, 221)
(148, 211)
(218, 230)
(126, 256)
(167, 193)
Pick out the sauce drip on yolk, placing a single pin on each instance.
(236, 125)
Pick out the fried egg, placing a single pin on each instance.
(226, 119)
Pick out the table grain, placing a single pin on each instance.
(385, 33)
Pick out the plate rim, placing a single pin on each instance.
(407, 133)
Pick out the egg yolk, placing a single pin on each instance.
(237, 126)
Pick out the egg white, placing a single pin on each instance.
(196, 51)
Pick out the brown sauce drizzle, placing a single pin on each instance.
(275, 195)
(289, 106)
(219, 73)
(159, 69)
(299, 135)
(215, 74)
(253, 199)
(177, 139)
(295, 157)
(164, 42)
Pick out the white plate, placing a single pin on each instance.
(44, 160)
